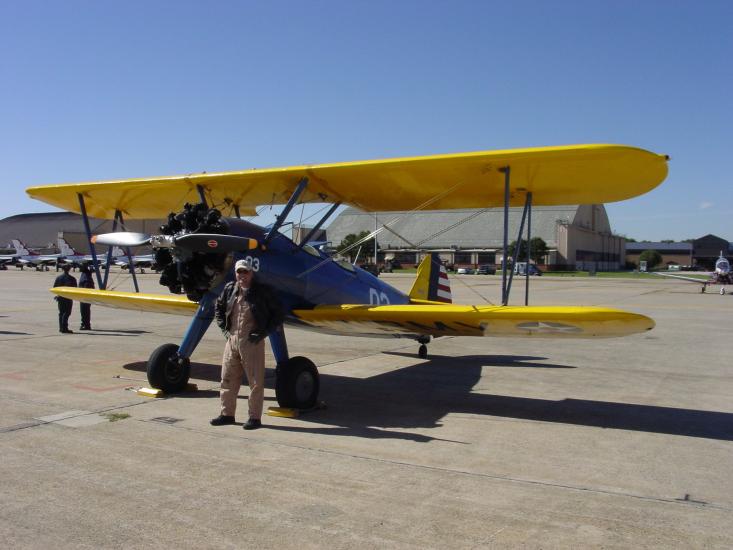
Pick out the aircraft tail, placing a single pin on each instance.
(432, 282)
(65, 248)
(20, 248)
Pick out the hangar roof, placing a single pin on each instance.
(464, 228)
(659, 247)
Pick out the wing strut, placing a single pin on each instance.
(313, 231)
(130, 263)
(504, 290)
(88, 230)
(529, 247)
(527, 206)
(506, 283)
(288, 207)
(109, 256)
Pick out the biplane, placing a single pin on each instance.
(205, 234)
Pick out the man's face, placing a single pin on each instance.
(244, 278)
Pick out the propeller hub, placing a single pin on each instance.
(162, 241)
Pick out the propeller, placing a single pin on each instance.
(212, 243)
(122, 239)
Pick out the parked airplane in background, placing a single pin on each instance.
(139, 262)
(720, 276)
(70, 255)
(25, 257)
(8, 259)
(199, 246)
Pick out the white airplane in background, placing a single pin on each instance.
(139, 262)
(8, 259)
(23, 256)
(70, 255)
(720, 276)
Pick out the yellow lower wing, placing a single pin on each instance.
(137, 301)
(464, 320)
(411, 320)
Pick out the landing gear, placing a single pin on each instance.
(722, 291)
(297, 383)
(167, 371)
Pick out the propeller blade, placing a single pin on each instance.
(121, 238)
(214, 243)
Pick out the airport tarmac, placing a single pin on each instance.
(527, 443)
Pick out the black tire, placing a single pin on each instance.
(297, 383)
(167, 371)
(422, 351)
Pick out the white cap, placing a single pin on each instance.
(243, 265)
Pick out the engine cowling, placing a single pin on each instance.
(186, 272)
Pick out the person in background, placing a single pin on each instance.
(85, 281)
(246, 311)
(65, 305)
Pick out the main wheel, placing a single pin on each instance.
(297, 383)
(167, 371)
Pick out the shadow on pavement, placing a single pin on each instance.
(419, 396)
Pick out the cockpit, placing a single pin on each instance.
(722, 266)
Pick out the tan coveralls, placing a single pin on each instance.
(242, 356)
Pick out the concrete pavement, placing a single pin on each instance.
(488, 442)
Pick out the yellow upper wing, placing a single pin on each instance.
(574, 174)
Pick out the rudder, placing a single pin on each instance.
(431, 283)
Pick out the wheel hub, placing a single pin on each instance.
(304, 385)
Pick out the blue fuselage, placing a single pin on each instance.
(306, 277)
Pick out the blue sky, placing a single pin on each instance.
(100, 90)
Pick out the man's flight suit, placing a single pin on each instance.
(241, 355)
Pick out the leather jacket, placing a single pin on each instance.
(265, 307)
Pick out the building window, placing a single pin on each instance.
(462, 257)
(487, 257)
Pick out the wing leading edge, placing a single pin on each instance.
(465, 320)
(136, 301)
(573, 174)
(412, 320)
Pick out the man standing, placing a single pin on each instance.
(85, 281)
(65, 305)
(246, 312)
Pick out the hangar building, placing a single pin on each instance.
(578, 236)
(40, 231)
